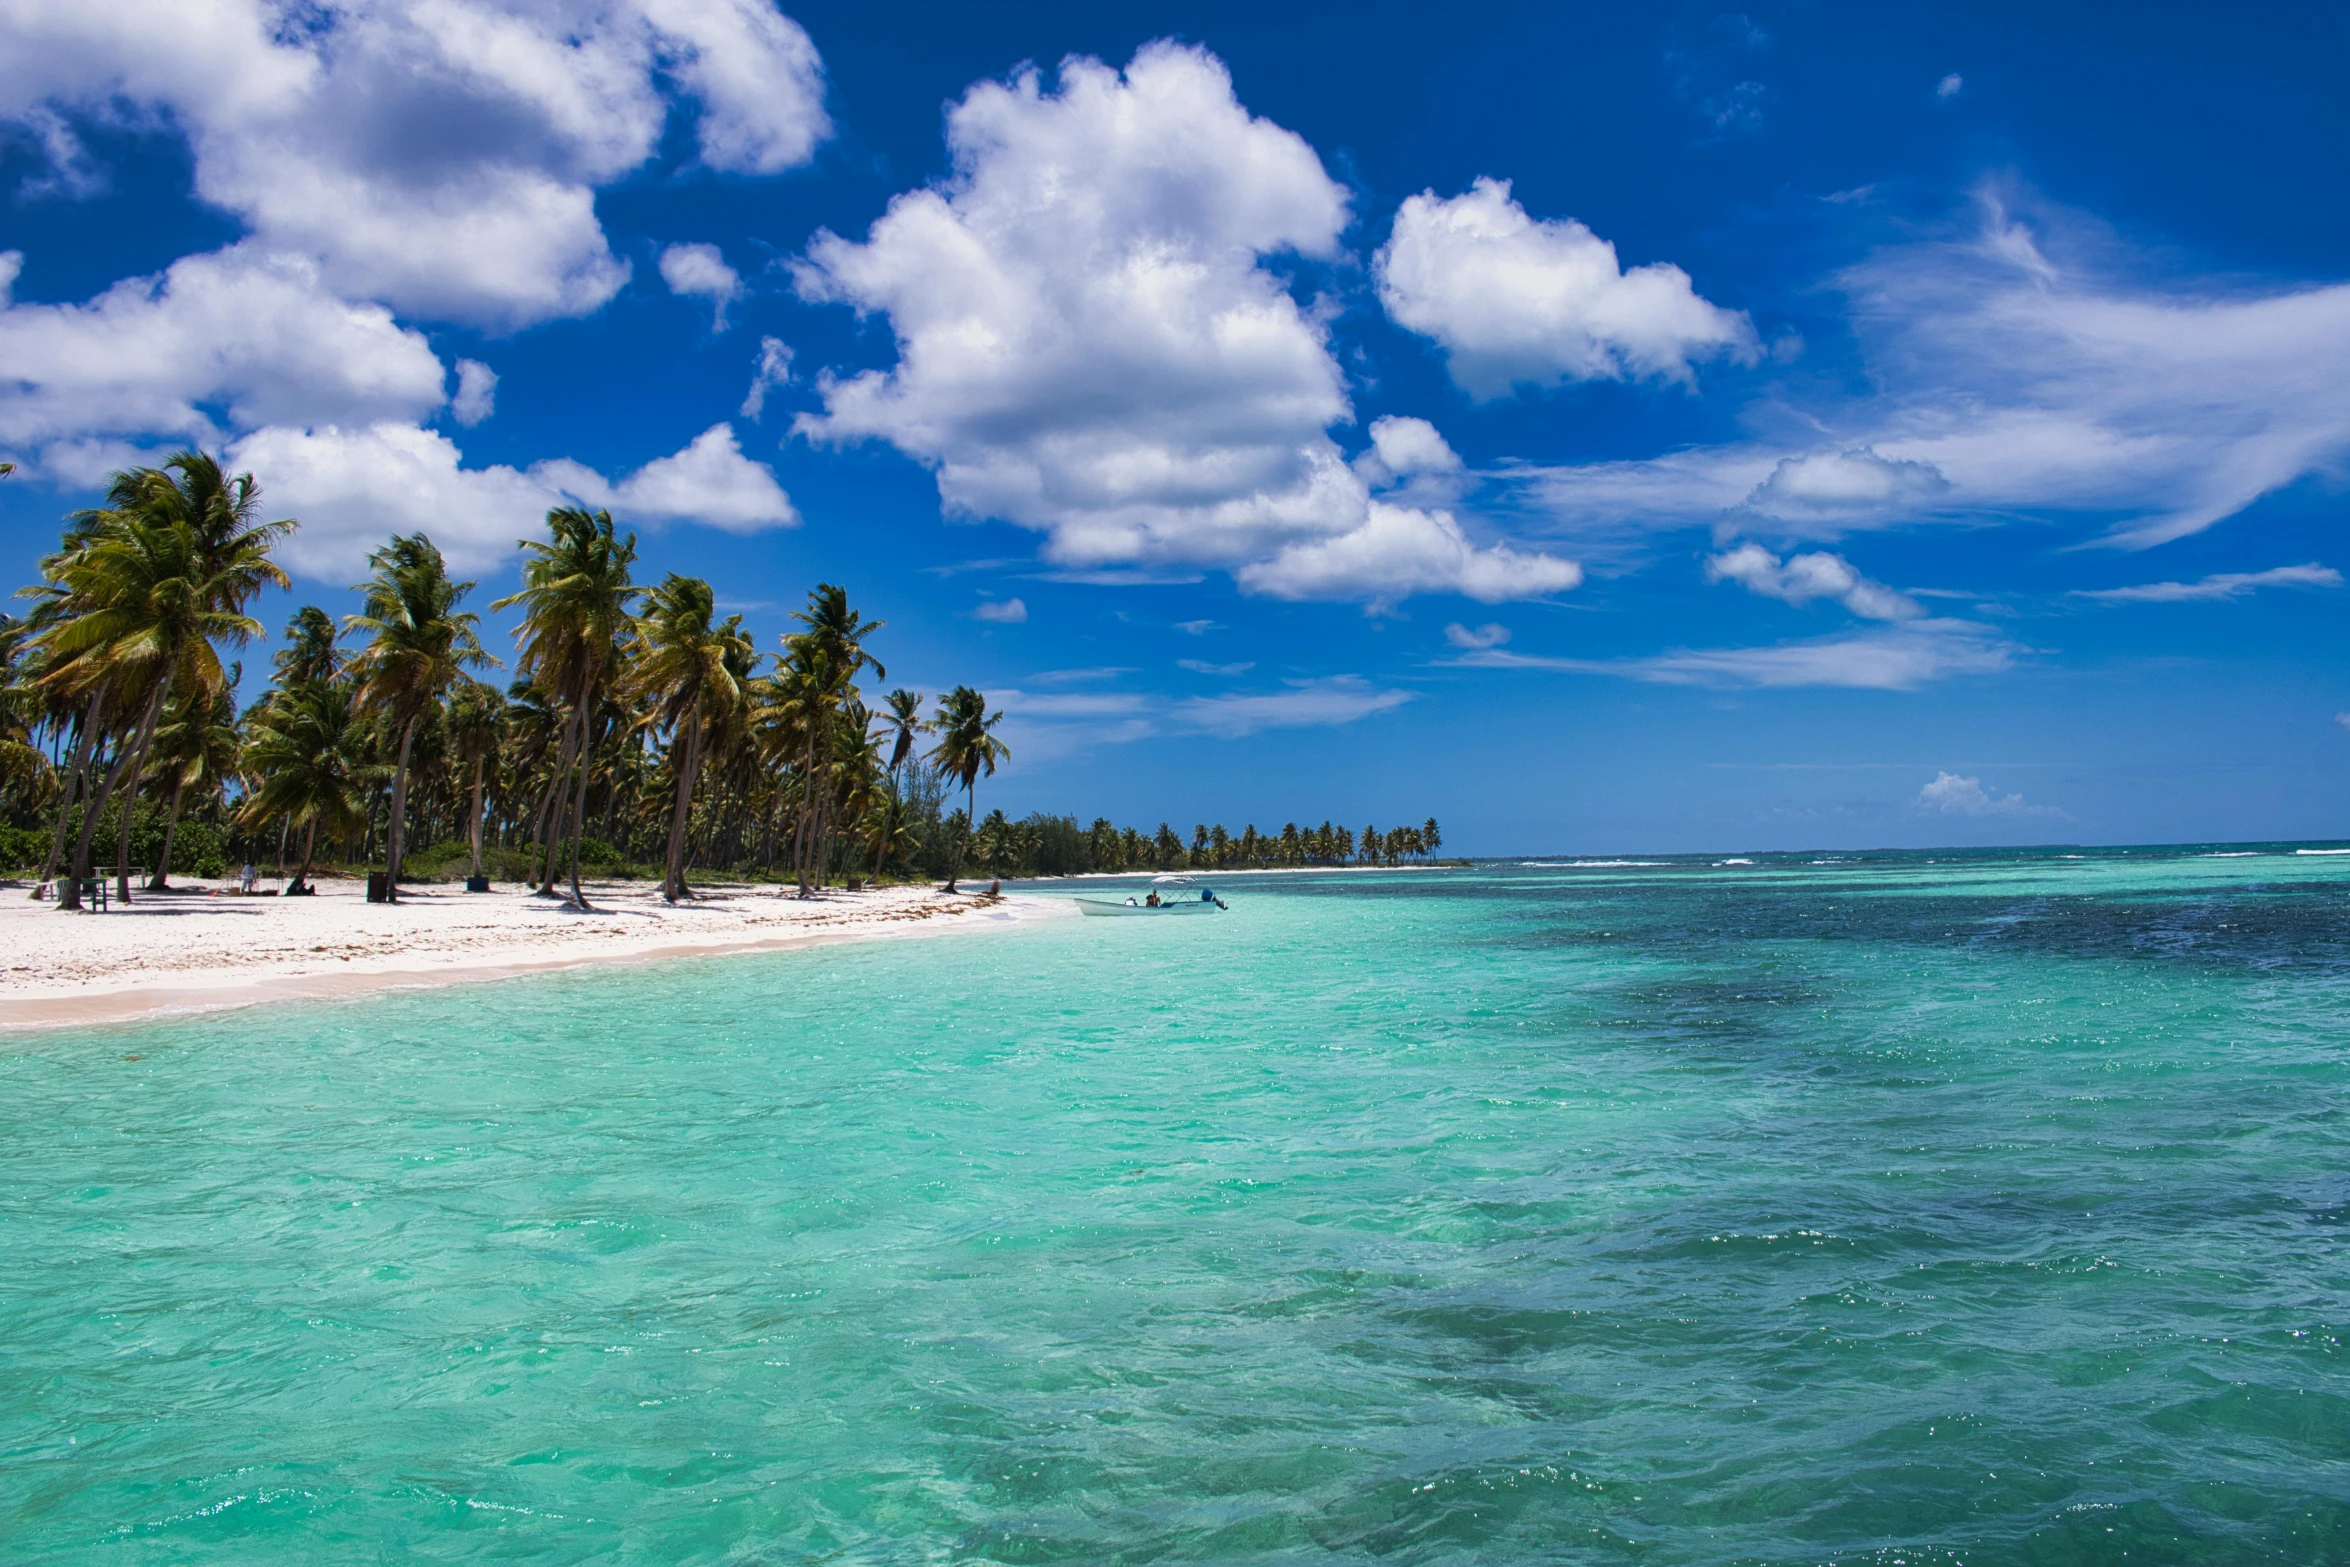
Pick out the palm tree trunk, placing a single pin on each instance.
(161, 880)
(587, 769)
(77, 781)
(301, 881)
(551, 810)
(673, 883)
(807, 811)
(474, 830)
(105, 769)
(970, 828)
(97, 807)
(130, 797)
(395, 833)
(540, 875)
(578, 812)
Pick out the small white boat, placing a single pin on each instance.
(1168, 895)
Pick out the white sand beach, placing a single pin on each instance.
(201, 948)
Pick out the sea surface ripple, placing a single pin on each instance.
(1918, 1209)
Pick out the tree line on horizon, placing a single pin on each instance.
(640, 727)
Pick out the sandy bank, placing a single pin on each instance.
(197, 950)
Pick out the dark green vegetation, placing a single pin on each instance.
(644, 735)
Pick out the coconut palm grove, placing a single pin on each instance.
(640, 732)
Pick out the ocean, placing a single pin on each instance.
(1937, 1208)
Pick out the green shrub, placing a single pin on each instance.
(23, 848)
(198, 849)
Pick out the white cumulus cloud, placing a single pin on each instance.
(439, 155)
(1952, 795)
(351, 487)
(1091, 344)
(477, 392)
(1801, 578)
(710, 482)
(699, 271)
(1001, 612)
(239, 332)
(1516, 301)
(1847, 488)
(1402, 449)
(1088, 344)
(1400, 551)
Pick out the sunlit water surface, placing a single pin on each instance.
(1970, 1208)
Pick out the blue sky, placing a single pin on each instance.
(1603, 428)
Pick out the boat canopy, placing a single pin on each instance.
(1171, 881)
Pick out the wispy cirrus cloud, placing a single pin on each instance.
(2219, 585)
(1305, 704)
(1049, 724)
(2018, 373)
(1895, 658)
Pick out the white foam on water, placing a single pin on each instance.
(1733, 862)
(2322, 851)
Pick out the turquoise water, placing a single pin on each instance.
(1976, 1208)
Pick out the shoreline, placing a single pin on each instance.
(192, 950)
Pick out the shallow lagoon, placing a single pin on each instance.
(1924, 1208)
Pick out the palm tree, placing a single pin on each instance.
(885, 826)
(419, 644)
(146, 586)
(575, 596)
(476, 718)
(795, 713)
(304, 759)
(825, 659)
(900, 728)
(835, 628)
(1431, 839)
(197, 746)
(310, 652)
(967, 746)
(684, 675)
(24, 771)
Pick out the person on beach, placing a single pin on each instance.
(247, 879)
